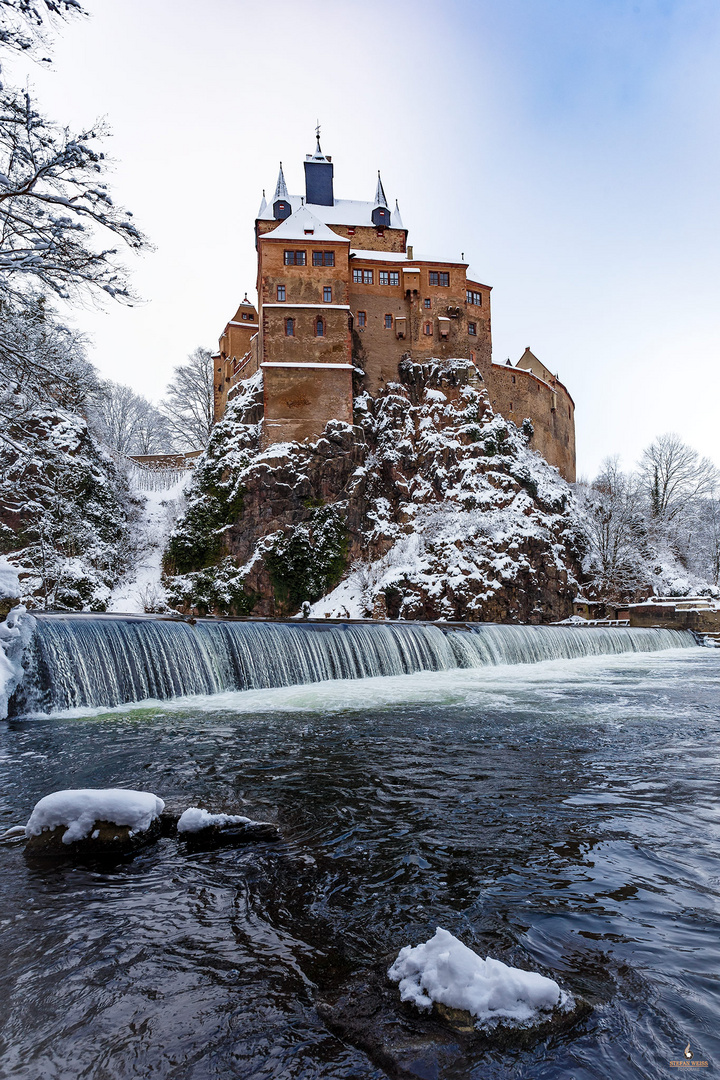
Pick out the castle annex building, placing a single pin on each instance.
(340, 292)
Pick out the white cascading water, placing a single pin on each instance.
(74, 661)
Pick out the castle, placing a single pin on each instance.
(341, 294)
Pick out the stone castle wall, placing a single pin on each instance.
(517, 394)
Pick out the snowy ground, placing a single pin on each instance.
(141, 589)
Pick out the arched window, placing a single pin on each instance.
(319, 328)
(289, 328)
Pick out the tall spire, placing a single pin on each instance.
(281, 191)
(380, 199)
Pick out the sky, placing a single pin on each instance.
(568, 147)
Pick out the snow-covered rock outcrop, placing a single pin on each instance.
(430, 507)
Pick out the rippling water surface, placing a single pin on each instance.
(563, 815)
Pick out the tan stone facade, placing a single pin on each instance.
(341, 294)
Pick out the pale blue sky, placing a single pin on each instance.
(568, 147)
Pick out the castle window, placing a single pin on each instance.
(389, 277)
(438, 277)
(295, 258)
(472, 329)
(289, 328)
(427, 329)
(474, 298)
(351, 232)
(513, 378)
(281, 293)
(426, 303)
(569, 417)
(388, 322)
(323, 258)
(362, 318)
(363, 277)
(319, 328)
(327, 294)
(511, 406)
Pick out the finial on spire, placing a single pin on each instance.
(318, 152)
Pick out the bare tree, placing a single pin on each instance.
(129, 423)
(612, 520)
(675, 476)
(189, 402)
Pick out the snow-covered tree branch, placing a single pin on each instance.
(53, 206)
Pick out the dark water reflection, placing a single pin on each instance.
(565, 816)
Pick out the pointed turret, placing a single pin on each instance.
(281, 198)
(380, 199)
(380, 214)
(263, 206)
(397, 220)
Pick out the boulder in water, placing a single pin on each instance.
(202, 830)
(413, 1038)
(93, 823)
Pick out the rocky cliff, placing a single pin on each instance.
(429, 507)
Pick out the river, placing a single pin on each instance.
(563, 815)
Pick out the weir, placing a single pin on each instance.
(76, 661)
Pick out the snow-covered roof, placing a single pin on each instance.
(401, 257)
(352, 212)
(303, 224)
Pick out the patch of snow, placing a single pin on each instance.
(80, 808)
(142, 589)
(9, 580)
(15, 634)
(194, 819)
(446, 971)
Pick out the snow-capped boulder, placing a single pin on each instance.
(96, 822)
(201, 829)
(443, 971)
(398, 1012)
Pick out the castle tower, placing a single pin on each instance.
(305, 345)
(319, 177)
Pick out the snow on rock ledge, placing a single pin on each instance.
(15, 634)
(444, 971)
(95, 818)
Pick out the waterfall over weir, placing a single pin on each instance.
(74, 661)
